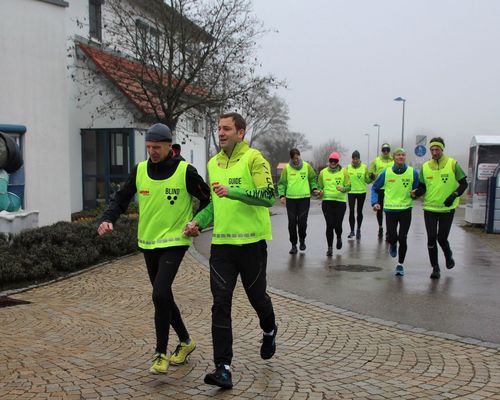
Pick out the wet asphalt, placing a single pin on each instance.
(360, 276)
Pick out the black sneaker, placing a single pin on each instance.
(268, 345)
(450, 262)
(436, 273)
(219, 377)
(302, 246)
(380, 233)
(329, 252)
(339, 243)
(358, 234)
(293, 250)
(351, 235)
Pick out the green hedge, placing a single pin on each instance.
(48, 252)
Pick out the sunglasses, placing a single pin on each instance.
(333, 160)
(386, 150)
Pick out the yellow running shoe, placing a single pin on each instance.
(182, 351)
(160, 364)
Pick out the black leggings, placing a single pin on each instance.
(392, 219)
(162, 265)
(438, 226)
(333, 212)
(297, 211)
(226, 263)
(352, 198)
(380, 213)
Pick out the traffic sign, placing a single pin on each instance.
(420, 150)
(421, 140)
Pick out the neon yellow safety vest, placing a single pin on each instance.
(439, 184)
(330, 182)
(297, 182)
(397, 189)
(234, 221)
(165, 207)
(357, 175)
(382, 163)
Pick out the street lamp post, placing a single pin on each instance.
(378, 136)
(403, 123)
(368, 153)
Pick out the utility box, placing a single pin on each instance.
(492, 224)
(484, 157)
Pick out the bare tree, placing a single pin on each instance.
(276, 145)
(264, 112)
(177, 55)
(321, 152)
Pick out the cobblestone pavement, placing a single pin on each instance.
(91, 336)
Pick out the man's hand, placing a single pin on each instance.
(220, 190)
(413, 194)
(450, 199)
(104, 228)
(376, 207)
(340, 188)
(192, 229)
(283, 200)
(320, 194)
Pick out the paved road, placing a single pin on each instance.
(359, 277)
(90, 336)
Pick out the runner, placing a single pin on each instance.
(398, 181)
(378, 165)
(333, 183)
(359, 176)
(165, 186)
(442, 181)
(297, 181)
(242, 192)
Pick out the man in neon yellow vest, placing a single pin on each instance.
(398, 181)
(443, 181)
(380, 163)
(333, 183)
(297, 181)
(359, 176)
(242, 193)
(165, 186)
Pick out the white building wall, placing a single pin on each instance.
(34, 94)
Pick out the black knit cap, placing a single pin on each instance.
(159, 133)
(355, 154)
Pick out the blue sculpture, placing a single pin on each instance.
(10, 161)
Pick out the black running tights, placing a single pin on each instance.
(360, 199)
(162, 265)
(438, 226)
(392, 219)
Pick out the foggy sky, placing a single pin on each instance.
(346, 60)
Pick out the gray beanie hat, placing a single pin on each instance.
(159, 133)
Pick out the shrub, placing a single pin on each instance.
(51, 251)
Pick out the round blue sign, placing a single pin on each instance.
(420, 150)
